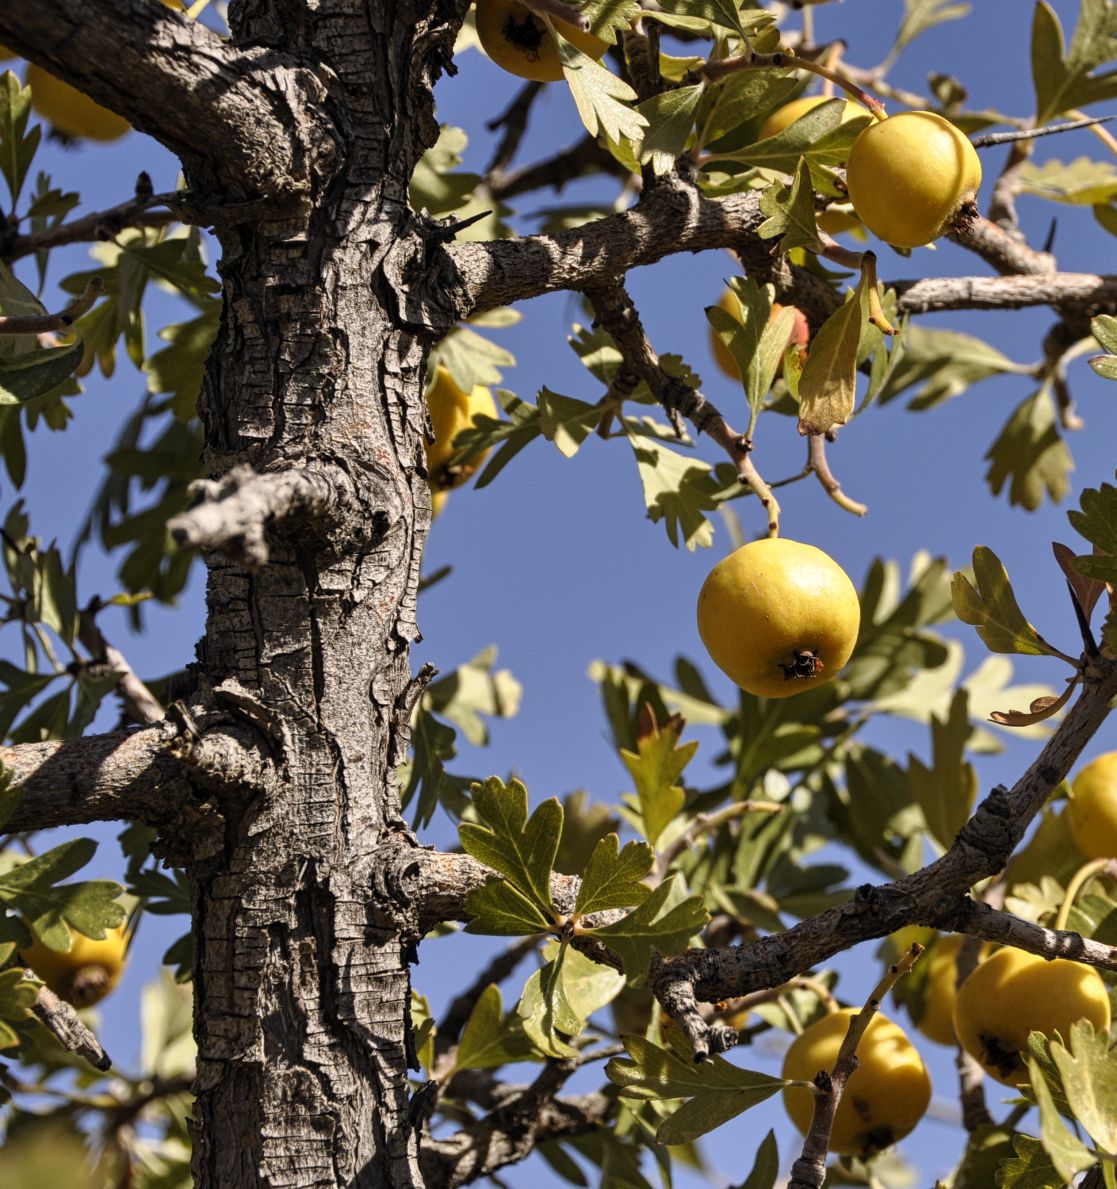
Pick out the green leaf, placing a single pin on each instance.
(1030, 1168)
(499, 909)
(17, 145)
(766, 1167)
(828, 386)
(16, 997)
(790, 212)
(677, 490)
(992, 608)
(1082, 182)
(471, 359)
(922, 15)
(947, 789)
(670, 118)
(656, 766)
(31, 374)
(473, 692)
(1089, 1074)
(34, 890)
(1069, 1154)
(716, 1090)
(666, 921)
(604, 102)
(612, 880)
(490, 1040)
(565, 421)
(520, 848)
(177, 368)
(1030, 455)
(1065, 82)
(560, 997)
(942, 364)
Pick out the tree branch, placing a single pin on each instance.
(139, 701)
(513, 1129)
(936, 895)
(151, 774)
(68, 1028)
(99, 225)
(209, 102)
(671, 217)
(1067, 290)
(232, 513)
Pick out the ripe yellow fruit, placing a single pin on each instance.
(941, 989)
(86, 972)
(69, 110)
(886, 1095)
(451, 411)
(723, 357)
(908, 176)
(835, 221)
(1092, 812)
(784, 117)
(515, 38)
(1013, 993)
(778, 617)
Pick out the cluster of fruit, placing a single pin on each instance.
(1009, 994)
(908, 175)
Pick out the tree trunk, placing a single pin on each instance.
(301, 974)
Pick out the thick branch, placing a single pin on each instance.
(1075, 290)
(936, 895)
(671, 217)
(232, 513)
(150, 775)
(183, 84)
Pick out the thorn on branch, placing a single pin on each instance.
(231, 514)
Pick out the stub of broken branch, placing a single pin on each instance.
(232, 514)
(67, 1027)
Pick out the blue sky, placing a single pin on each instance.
(556, 563)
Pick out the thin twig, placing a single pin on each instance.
(63, 320)
(996, 138)
(817, 462)
(809, 1171)
(101, 225)
(139, 701)
(617, 314)
(513, 120)
(707, 823)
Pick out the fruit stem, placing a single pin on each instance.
(783, 59)
(867, 262)
(750, 477)
(558, 11)
(1082, 876)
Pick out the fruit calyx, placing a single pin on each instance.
(805, 662)
(527, 33)
(1006, 1062)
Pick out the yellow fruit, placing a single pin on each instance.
(86, 972)
(908, 176)
(1013, 993)
(940, 990)
(1092, 812)
(69, 110)
(723, 357)
(784, 117)
(451, 411)
(886, 1095)
(778, 617)
(515, 38)
(835, 221)
(438, 502)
